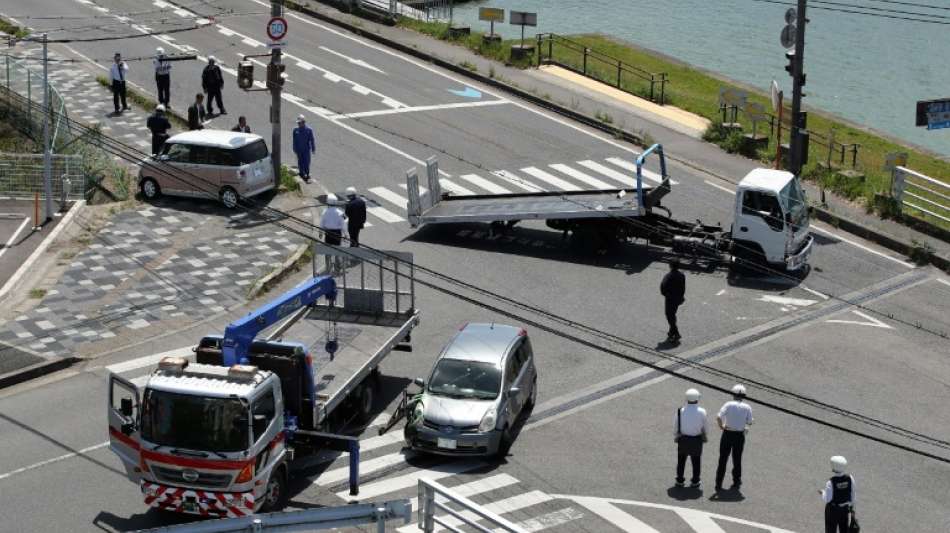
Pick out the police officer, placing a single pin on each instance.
(242, 126)
(163, 76)
(117, 74)
(355, 215)
(159, 125)
(196, 113)
(734, 419)
(332, 221)
(689, 430)
(673, 289)
(838, 496)
(212, 81)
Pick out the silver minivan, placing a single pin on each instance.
(482, 382)
(209, 163)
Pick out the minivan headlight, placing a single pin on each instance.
(418, 413)
(488, 421)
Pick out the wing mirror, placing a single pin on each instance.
(419, 381)
(514, 391)
(125, 407)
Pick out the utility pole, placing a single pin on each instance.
(47, 149)
(273, 83)
(796, 146)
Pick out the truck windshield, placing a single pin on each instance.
(793, 202)
(465, 379)
(194, 422)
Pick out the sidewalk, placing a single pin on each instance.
(679, 139)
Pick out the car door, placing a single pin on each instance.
(124, 414)
(515, 369)
(761, 221)
(204, 176)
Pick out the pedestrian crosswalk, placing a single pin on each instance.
(388, 204)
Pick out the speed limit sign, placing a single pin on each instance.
(277, 28)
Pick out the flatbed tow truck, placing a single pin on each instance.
(770, 225)
(217, 436)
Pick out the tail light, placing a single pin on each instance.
(247, 473)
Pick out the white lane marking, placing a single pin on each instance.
(582, 176)
(699, 521)
(628, 182)
(614, 515)
(160, 4)
(455, 188)
(550, 178)
(390, 196)
(632, 167)
(148, 360)
(552, 519)
(251, 42)
(361, 89)
(13, 237)
(402, 108)
(391, 102)
(861, 246)
(332, 477)
(945, 282)
(358, 62)
(720, 187)
(821, 295)
(466, 490)
(381, 420)
(182, 13)
(783, 300)
(871, 321)
(369, 491)
(721, 292)
(385, 214)
(508, 505)
(484, 184)
(53, 460)
(518, 181)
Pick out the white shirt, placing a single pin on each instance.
(736, 415)
(115, 74)
(692, 420)
(332, 218)
(162, 66)
(829, 491)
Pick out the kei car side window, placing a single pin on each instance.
(222, 157)
(180, 153)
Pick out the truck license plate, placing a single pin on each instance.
(448, 444)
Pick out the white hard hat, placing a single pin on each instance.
(332, 199)
(211, 59)
(351, 191)
(738, 390)
(159, 50)
(692, 396)
(838, 464)
(300, 118)
(160, 107)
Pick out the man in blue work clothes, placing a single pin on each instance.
(304, 145)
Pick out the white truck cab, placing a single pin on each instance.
(771, 220)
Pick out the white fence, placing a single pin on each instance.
(921, 193)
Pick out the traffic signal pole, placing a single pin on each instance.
(276, 10)
(796, 155)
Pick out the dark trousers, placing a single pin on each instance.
(732, 442)
(212, 95)
(163, 82)
(333, 236)
(670, 308)
(158, 139)
(354, 231)
(837, 518)
(118, 93)
(691, 447)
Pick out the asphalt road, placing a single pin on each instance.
(603, 427)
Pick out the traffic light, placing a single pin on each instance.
(281, 77)
(790, 67)
(275, 74)
(245, 74)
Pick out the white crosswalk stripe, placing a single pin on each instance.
(337, 475)
(484, 184)
(385, 214)
(410, 480)
(632, 167)
(467, 490)
(518, 181)
(455, 188)
(625, 180)
(508, 505)
(551, 179)
(390, 196)
(581, 176)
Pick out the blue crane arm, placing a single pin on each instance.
(239, 334)
(658, 148)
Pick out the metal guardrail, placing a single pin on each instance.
(433, 497)
(922, 193)
(21, 176)
(598, 65)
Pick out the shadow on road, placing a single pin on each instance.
(57, 443)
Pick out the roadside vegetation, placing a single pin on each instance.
(12, 29)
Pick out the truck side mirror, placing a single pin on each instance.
(419, 381)
(125, 407)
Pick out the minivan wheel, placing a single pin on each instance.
(229, 197)
(150, 189)
(504, 444)
(276, 492)
(533, 399)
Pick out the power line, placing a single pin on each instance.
(913, 4)
(880, 15)
(880, 9)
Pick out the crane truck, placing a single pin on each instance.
(217, 436)
(770, 225)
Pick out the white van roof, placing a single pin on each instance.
(215, 138)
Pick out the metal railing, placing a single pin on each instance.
(572, 55)
(921, 193)
(434, 497)
(21, 176)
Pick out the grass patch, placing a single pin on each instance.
(146, 103)
(499, 51)
(12, 29)
(37, 294)
(288, 181)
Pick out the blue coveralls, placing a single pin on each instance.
(304, 145)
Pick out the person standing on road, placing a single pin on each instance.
(332, 221)
(163, 76)
(212, 81)
(355, 215)
(196, 113)
(673, 289)
(242, 126)
(689, 433)
(838, 496)
(117, 75)
(305, 144)
(159, 125)
(734, 420)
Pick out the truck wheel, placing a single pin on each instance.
(366, 401)
(275, 495)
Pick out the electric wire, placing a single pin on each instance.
(854, 12)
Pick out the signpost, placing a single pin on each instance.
(276, 31)
(492, 15)
(777, 106)
(522, 18)
(935, 114)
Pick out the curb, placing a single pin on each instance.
(34, 371)
(289, 265)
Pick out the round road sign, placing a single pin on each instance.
(277, 28)
(788, 36)
(791, 15)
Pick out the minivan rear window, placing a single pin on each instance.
(252, 152)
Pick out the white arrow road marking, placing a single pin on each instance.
(613, 514)
(358, 62)
(871, 321)
(699, 521)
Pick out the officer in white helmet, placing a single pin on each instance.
(689, 430)
(355, 215)
(163, 76)
(332, 221)
(838, 496)
(734, 419)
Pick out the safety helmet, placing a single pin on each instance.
(160, 51)
(300, 118)
(351, 191)
(160, 107)
(738, 390)
(838, 464)
(692, 396)
(211, 59)
(332, 199)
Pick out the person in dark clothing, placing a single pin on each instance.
(242, 126)
(838, 496)
(673, 289)
(212, 82)
(355, 215)
(159, 125)
(117, 74)
(196, 113)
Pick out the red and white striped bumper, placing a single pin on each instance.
(198, 502)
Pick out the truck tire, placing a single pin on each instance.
(366, 399)
(275, 494)
(748, 257)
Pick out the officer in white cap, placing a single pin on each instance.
(689, 430)
(332, 221)
(159, 125)
(734, 420)
(838, 496)
(163, 76)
